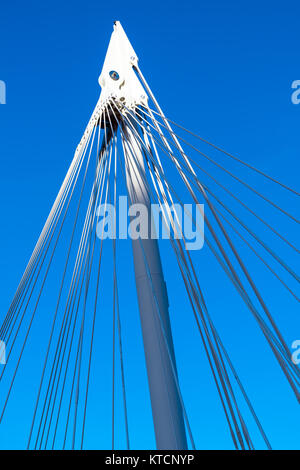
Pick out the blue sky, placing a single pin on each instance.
(222, 69)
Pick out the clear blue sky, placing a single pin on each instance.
(222, 69)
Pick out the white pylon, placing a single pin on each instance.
(119, 81)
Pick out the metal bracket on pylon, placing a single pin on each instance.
(118, 79)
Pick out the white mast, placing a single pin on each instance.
(118, 80)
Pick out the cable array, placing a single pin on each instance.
(104, 154)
